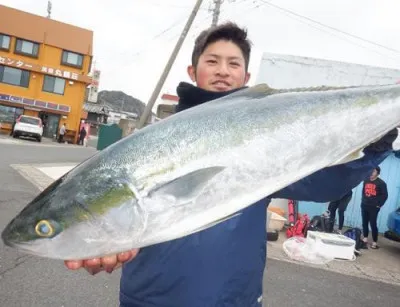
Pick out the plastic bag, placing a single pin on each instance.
(299, 249)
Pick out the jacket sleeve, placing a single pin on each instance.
(335, 181)
(383, 194)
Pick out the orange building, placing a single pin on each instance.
(44, 67)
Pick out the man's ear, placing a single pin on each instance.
(191, 72)
(247, 77)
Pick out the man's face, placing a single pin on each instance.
(221, 67)
(374, 175)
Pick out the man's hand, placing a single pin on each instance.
(108, 263)
(387, 142)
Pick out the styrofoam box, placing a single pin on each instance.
(331, 244)
(274, 221)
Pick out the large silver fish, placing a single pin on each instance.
(200, 167)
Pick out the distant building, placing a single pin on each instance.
(93, 89)
(167, 105)
(44, 67)
(96, 113)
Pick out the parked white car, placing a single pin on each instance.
(28, 126)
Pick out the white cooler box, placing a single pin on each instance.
(332, 245)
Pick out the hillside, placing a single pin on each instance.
(119, 101)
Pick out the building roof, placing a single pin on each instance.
(44, 30)
(95, 108)
(170, 97)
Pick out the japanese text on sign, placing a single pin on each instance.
(44, 69)
(59, 73)
(19, 63)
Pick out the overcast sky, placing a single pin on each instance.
(134, 39)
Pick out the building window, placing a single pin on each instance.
(72, 59)
(27, 48)
(4, 42)
(54, 85)
(14, 76)
(9, 114)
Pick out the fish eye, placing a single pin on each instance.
(44, 229)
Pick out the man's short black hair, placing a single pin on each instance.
(228, 31)
(378, 169)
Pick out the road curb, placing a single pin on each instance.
(32, 173)
(349, 268)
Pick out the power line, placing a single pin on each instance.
(344, 39)
(168, 66)
(176, 23)
(243, 13)
(168, 40)
(339, 37)
(332, 28)
(175, 36)
(159, 35)
(162, 33)
(199, 24)
(163, 4)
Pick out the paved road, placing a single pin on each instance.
(30, 281)
(292, 285)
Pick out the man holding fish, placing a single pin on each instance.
(219, 260)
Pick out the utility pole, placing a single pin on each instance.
(49, 6)
(216, 11)
(167, 68)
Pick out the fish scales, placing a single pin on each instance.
(199, 167)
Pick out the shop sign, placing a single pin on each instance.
(66, 74)
(35, 103)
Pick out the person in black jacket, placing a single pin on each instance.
(82, 136)
(374, 196)
(340, 205)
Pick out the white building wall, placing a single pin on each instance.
(287, 71)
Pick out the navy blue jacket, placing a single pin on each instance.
(223, 266)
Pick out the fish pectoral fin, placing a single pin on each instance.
(188, 186)
(355, 155)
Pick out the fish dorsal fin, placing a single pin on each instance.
(321, 88)
(188, 186)
(263, 89)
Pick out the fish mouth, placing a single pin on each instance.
(5, 237)
(8, 240)
(31, 248)
(18, 245)
(13, 239)
(9, 243)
